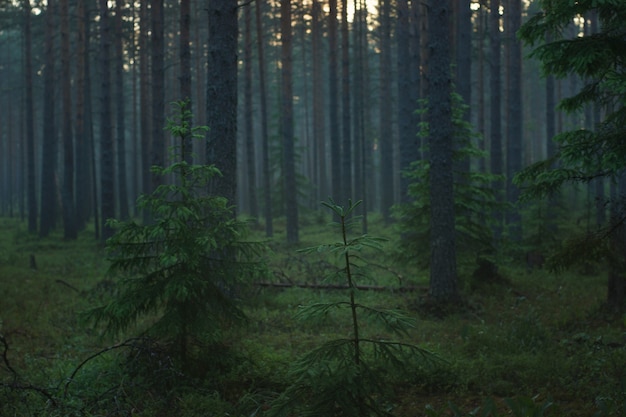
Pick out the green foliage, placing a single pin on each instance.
(584, 154)
(474, 198)
(350, 376)
(179, 274)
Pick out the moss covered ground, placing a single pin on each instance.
(530, 343)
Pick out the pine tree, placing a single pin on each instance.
(585, 154)
(182, 270)
(473, 191)
(346, 377)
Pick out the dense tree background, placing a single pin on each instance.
(324, 94)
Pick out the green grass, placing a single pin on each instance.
(535, 339)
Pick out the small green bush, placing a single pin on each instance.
(350, 376)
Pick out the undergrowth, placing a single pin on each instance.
(532, 344)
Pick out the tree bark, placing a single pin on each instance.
(122, 177)
(495, 103)
(407, 131)
(49, 151)
(247, 114)
(269, 228)
(185, 70)
(346, 151)
(157, 150)
(107, 191)
(30, 124)
(333, 106)
(443, 278)
(70, 231)
(222, 96)
(319, 131)
(385, 138)
(514, 117)
(145, 117)
(291, 203)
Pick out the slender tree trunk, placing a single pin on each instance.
(385, 138)
(157, 151)
(407, 132)
(222, 96)
(107, 191)
(91, 185)
(482, 17)
(514, 116)
(360, 67)
(30, 123)
(463, 74)
(83, 175)
(333, 107)
(269, 228)
(319, 131)
(496, 126)
(415, 18)
(599, 191)
(616, 288)
(120, 99)
(48, 170)
(291, 203)
(443, 278)
(346, 153)
(145, 118)
(185, 70)
(249, 131)
(70, 231)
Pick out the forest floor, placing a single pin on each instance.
(531, 343)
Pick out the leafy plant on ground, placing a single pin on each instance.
(350, 376)
(180, 274)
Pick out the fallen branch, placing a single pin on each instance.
(15, 385)
(126, 343)
(339, 287)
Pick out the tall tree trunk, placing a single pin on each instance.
(269, 228)
(415, 19)
(333, 106)
(249, 131)
(70, 231)
(82, 157)
(291, 202)
(407, 132)
(616, 288)
(49, 152)
(30, 123)
(222, 96)
(107, 191)
(91, 185)
(600, 196)
(122, 177)
(482, 17)
(385, 138)
(319, 131)
(514, 116)
(157, 151)
(145, 117)
(496, 126)
(463, 54)
(346, 152)
(443, 278)
(360, 103)
(185, 70)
